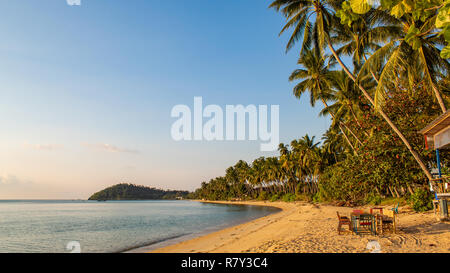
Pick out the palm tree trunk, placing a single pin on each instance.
(351, 132)
(439, 98)
(340, 127)
(381, 112)
(348, 140)
(371, 72)
(433, 86)
(396, 192)
(356, 119)
(392, 192)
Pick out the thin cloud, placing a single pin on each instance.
(12, 180)
(109, 148)
(42, 147)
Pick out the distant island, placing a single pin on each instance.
(126, 191)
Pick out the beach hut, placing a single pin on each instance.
(437, 137)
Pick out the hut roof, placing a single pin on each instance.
(437, 125)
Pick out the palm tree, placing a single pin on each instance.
(309, 159)
(273, 172)
(298, 14)
(365, 35)
(332, 148)
(346, 104)
(289, 168)
(418, 61)
(317, 80)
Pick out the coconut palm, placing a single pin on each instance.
(289, 167)
(414, 56)
(298, 14)
(316, 79)
(365, 35)
(332, 148)
(273, 172)
(307, 152)
(346, 105)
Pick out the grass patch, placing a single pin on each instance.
(391, 201)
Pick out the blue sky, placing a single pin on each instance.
(86, 91)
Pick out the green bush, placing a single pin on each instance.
(421, 200)
(253, 196)
(263, 196)
(317, 198)
(343, 182)
(289, 197)
(303, 197)
(275, 197)
(373, 199)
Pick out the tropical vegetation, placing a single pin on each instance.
(125, 191)
(380, 71)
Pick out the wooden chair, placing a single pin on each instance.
(395, 209)
(379, 209)
(379, 223)
(388, 221)
(343, 220)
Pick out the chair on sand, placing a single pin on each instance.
(395, 209)
(388, 220)
(343, 220)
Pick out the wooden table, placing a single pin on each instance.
(363, 219)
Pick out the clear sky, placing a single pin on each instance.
(86, 91)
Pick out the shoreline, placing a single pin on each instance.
(303, 227)
(186, 237)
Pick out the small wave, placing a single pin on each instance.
(149, 243)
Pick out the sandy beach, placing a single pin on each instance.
(303, 227)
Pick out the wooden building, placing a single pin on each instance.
(437, 137)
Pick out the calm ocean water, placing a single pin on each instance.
(113, 226)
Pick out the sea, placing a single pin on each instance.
(74, 226)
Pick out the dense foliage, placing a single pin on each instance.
(134, 192)
(397, 82)
(421, 200)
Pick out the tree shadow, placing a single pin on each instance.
(430, 228)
